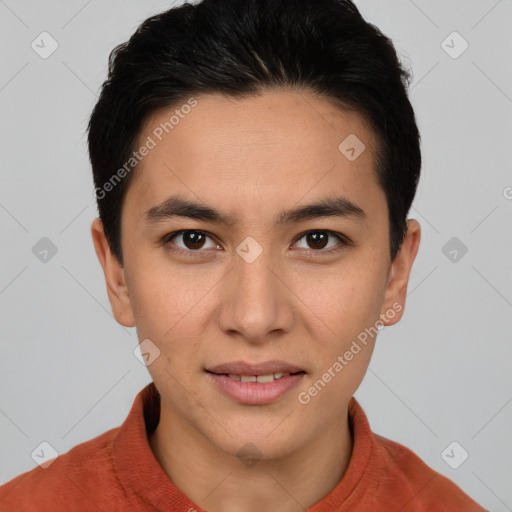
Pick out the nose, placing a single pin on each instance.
(256, 301)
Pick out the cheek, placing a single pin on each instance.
(350, 308)
(349, 304)
(170, 304)
(157, 299)
(345, 298)
(165, 314)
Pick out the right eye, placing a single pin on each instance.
(192, 241)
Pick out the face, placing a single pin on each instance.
(252, 276)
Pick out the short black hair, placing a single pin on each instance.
(240, 48)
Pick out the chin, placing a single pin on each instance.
(252, 446)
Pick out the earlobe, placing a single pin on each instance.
(396, 291)
(113, 271)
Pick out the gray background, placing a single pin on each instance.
(443, 374)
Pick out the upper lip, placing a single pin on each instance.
(265, 368)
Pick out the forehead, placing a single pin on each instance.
(257, 149)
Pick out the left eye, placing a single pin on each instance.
(318, 240)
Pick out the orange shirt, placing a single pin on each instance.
(117, 471)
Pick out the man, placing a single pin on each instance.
(254, 164)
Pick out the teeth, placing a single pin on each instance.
(265, 378)
(259, 378)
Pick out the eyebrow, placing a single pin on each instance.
(177, 206)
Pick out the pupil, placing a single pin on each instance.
(317, 237)
(195, 240)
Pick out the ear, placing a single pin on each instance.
(114, 277)
(396, 290)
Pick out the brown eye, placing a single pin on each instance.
(319, 240)
(188, 241)
(193, 239)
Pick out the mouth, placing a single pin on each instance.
(261, 372)
(257, 384)
(262, 379)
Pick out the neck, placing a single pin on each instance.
(219, 482)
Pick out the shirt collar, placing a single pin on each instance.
(140, 472)
(137, 467)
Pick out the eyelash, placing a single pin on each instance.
(166, 240)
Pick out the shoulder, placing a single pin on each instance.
(72, 478)
(429, 488)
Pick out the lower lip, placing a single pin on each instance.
(256, 393)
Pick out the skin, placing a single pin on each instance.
(252, 158)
